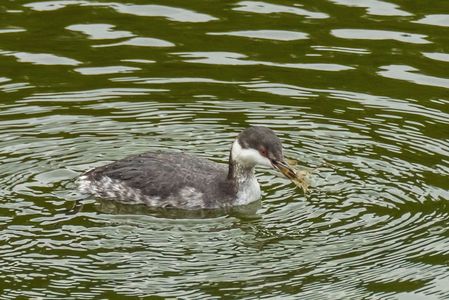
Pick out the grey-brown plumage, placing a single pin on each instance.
(170, 179)
(164, 179)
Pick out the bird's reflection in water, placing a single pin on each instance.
(113, 207)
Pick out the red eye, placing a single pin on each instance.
(263, 151)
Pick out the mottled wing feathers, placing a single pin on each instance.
(162, 174)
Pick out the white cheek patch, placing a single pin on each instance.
(248, 157)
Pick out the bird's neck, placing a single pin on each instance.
(240, 173)
(239, 169)
(242, 177)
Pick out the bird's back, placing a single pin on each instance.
(162, 179)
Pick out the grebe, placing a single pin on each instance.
(183, 181)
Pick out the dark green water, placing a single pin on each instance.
(363, 85)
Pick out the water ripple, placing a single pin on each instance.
(100, 31)
(232, 58)
(437, 56)
(89, 95)
(375, 7)
(365, 34)
(408, 73)
(12, 30)
(171, 13)
(374, 224)
(106, 70)
(140, 41)
(269, 8)
(12, 86)
(437, 20)
(41, 58)
(277, 35)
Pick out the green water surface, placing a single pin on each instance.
(362, 85)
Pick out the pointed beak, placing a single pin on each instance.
(285, 169)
